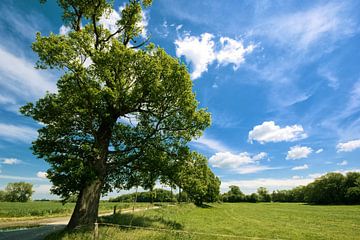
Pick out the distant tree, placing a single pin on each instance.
(198, 181)
(328, 189)
(263, 194)
(2, 196)
(18, 192)
(352, 184)
(233, 195)
(252, 198)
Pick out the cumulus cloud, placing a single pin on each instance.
(298, 152)
(201, 51)
(41, 174)
(232, 52)
(348, 146)
(303, 167)
(241, 163)
(10, 161)
(270, 132)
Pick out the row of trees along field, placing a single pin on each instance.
(123, 113)
(16, 192)
(332, 188)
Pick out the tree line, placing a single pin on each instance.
(16, 192)
(332, 188)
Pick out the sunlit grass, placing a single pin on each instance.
(233, 221)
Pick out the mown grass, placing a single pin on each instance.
(17, 211)
(240, 220)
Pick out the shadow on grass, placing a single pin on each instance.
(141, 221)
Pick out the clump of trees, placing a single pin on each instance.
(157, 195)
(16, 192)
(236, 195)
(332, 188)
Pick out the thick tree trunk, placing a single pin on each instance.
(86, 209)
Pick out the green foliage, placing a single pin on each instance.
(17, 192)
(197, 180)
(233, 195)
(86, 138)
(35, 209)
(157, 195)
(263, 194)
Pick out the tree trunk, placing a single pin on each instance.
(86, 209)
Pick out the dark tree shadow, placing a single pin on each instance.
(205, 206)
(140, 221)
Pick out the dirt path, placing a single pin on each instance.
(46, 226)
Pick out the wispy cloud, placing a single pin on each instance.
(242, 163)
(10, 161)
(210, 144)
(15, 133)
(18, 77)
(10, 177)
(302, 167)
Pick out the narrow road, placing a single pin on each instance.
(47, 226)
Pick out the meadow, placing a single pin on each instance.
(39, 209)
(231, 221)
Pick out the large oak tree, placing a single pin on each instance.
(107, 78)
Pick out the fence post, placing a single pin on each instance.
(114, 210)
(96, 231)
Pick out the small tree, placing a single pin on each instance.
(18, 192)
(264, 195)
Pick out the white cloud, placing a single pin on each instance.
(19, 77)
(232, 52)
(41, 174)
(319, 151)
(10, 161)
(249, 186)
(270, 132)
(303, 167)
(298, 152)
(304, 29)
(343, 163)
(199, 51)
(241, 163)
(20, 133)
(348, 146)
(109, 20)
(20, 178)
(210, 144)
(64, 30)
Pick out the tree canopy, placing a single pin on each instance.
(108, 78)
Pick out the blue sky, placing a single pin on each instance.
(281, 80)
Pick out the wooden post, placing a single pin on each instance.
(96, 231)
(114, 210)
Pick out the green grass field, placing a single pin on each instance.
(16, 210)
(234, 221)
